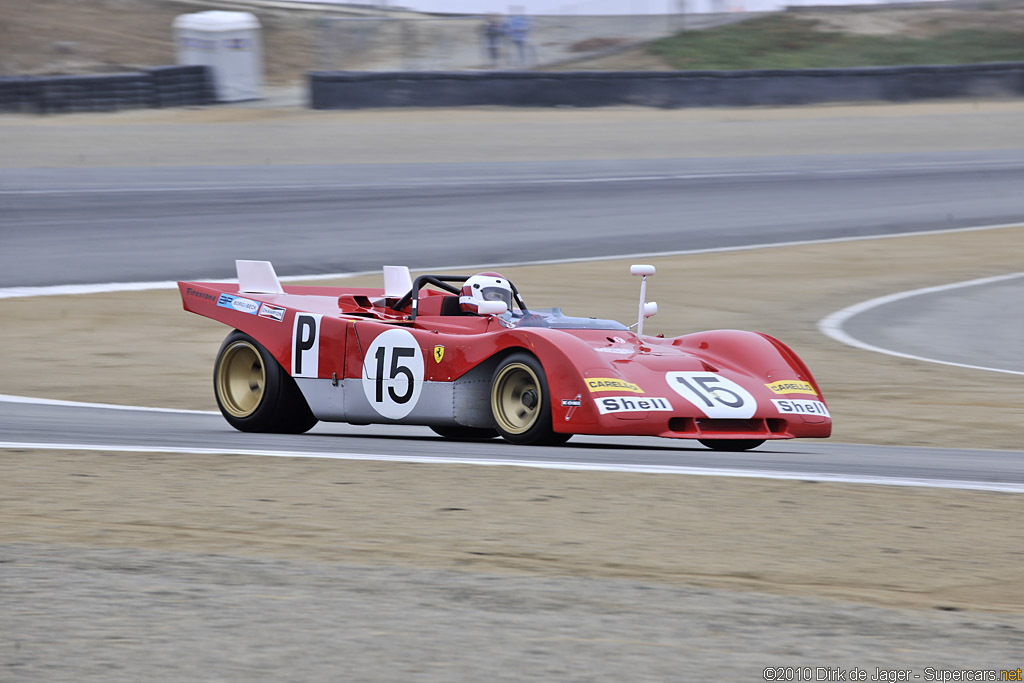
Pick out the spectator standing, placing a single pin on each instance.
(493, 31)
(517, 28)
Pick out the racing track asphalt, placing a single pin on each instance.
(24, 425)
(950, 324)
(69, 226)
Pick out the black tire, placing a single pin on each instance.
(254, 393)
(731, 444)
(521, 402)
(465, 433)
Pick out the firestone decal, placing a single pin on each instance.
(237, 303)
(200, 295)
(611, 384)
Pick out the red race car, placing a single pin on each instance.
(466, 357)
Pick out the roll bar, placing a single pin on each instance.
(441, 281)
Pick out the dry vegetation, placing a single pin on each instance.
(45, 37)
(72, 37)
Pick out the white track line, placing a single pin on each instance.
(832, 325)
(409, 185)
(13, 292)
(32, 400)
(538, 464)
(110, 287)
(541, 464)
(426, 182)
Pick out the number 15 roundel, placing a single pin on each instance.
(716, 396)
(393, 373)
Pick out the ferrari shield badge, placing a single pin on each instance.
(438, 353)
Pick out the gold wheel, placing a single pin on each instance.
(516, 398)
(241, 379)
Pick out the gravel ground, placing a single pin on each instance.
(156, 616)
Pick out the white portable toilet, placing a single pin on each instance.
(227, 42)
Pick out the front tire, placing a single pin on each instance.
(254, 393)
(731, 444)
(521, 402)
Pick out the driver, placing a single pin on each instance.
(484, 287)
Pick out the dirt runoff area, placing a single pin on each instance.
(886, 545)
(914, 550)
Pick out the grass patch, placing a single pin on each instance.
(788, 42)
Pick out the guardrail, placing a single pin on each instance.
(668, 89)
(164, 86)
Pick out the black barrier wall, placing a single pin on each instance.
(670, 89)
(163, 86)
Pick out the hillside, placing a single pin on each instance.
(73, 37)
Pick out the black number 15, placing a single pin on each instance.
(708, 389)
(397, 369)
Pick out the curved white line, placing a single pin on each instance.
(109, 287)
(541, 464)
(832, 325)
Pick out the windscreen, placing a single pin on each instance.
(553, 318)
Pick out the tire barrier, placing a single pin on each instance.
(667, 89)
(181, 86)
(163, 86)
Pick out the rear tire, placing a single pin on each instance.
(521, 402)
(465, 433)
(254, 393)
(731, 444)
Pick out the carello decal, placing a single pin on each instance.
(611, 384)
(792, 386)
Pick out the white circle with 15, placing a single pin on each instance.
(393, 373)
(715, 395)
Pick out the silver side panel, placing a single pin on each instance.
(473, 401)
(464, 402)
(326, 400)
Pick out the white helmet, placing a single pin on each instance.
(484, 287)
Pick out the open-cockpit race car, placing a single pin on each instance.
(467, 358)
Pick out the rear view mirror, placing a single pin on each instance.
(491, 308)
(646, 309)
